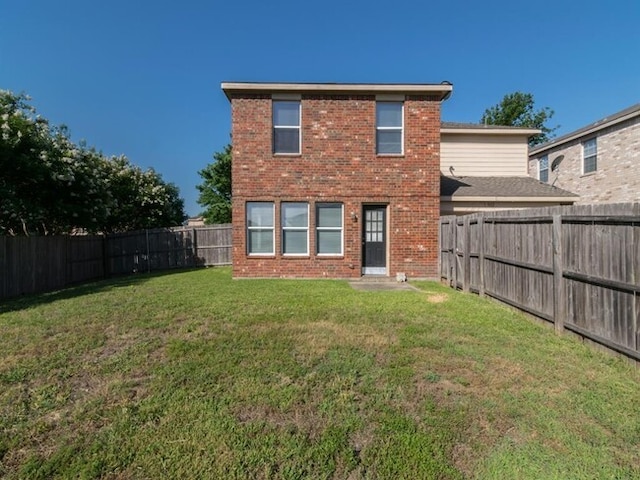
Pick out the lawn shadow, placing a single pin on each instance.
(36, 299)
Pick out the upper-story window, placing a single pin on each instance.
(543, 169)
(286, 126)
(589, 156)
(389, 128)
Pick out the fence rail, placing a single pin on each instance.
(41, 264)
(577, 267)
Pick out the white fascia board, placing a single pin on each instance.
(492, 131)
(442, 89)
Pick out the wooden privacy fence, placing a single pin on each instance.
(40, 264)
(577, 267)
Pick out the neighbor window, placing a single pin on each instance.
(295, 228)
(543, 169)
(389, 126)
(260, 231)
(589, 156)
(329, 228)
(286, 127)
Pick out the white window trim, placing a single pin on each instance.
(540, 169)
(401, 128)
(299, 126)
(294, 229)
(595, 140)
(272, 228)
(330, 229)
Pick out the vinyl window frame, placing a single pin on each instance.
(543, 172)
(590, 156)
(284, 229)
(321, 229)
(393, 128)
(261, 228)
(298, 127)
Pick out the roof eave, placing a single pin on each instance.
(492, 131)
(442, 90)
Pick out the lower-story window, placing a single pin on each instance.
(260, 231)
(295, 228)
(329, 228)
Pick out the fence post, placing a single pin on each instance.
(194, 244)
(146, 231)
(559, 300)
(481, 253)
(466, 259)
(454, 250)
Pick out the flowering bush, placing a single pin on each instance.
(49, 185)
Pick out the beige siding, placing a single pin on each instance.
(484, 155)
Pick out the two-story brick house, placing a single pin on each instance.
(335, 180)
(600, 162)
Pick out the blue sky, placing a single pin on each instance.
(142, 78)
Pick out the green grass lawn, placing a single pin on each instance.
(194, 375)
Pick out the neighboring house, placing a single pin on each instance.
(600, 162)
(335, 180)
(195, 221)
(484, 167)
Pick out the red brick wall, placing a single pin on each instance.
(339, 163)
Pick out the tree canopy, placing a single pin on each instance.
(518, 110)
(215, 189)
(50, 185)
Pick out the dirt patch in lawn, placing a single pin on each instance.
(318, 337)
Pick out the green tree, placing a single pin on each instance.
(50, 185)
(215, 190)
(518, 110)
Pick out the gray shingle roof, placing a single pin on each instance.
(499, 187)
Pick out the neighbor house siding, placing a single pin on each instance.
(617, 177)
(483, 155)
(338, 163)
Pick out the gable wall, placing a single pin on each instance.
(484, 155)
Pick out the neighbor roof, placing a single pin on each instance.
(442, 90)
(621, 116)
(459, 127)
(500, 188)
